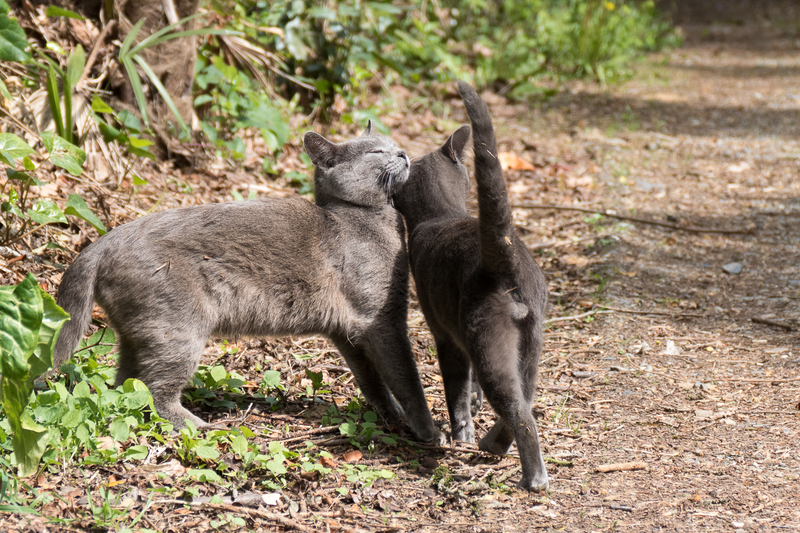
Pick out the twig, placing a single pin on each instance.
(95, 50)
(759, 320)
(618, 467)
(303, 434)
(660, 313)
(694, 229)
(757, 380)
(287, 523)
(577, 317)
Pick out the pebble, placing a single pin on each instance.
(732, 268)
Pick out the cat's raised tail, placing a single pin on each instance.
(496, 228)
(76, 297)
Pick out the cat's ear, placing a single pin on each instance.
(321, 151)
(454, 145)
(368, 131)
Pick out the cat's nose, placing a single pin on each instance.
(405, 158)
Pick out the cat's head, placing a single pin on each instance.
(438, 182)
(364, 171)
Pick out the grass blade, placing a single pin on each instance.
(54, 100)
(177, 35)
(148, 41)
(136, 84)
(126, 44)
(161, 89)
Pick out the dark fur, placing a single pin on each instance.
(170, 280)
(482, 293)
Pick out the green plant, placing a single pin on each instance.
(21, 218)
(130, 53)
(29, 324)
(232, 103)
(208, 381)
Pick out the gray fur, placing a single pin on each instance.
(170, 280)
(482, 293)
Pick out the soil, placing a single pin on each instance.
(669, 388)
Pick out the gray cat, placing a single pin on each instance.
(482, 294)
(339, 268)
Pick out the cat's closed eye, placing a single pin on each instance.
(377, 152)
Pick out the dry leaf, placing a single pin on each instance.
(328, 462)
(352, 457)
(511, 161)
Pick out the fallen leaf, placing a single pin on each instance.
(328, 462)
(511, 161)
(351, 457)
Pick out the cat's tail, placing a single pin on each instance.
(496, 229)
(76, 297)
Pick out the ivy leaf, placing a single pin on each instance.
(63, 153)
(47, 212)
(78, 208)
(12, 147)
(13, 43)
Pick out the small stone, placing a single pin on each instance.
(732, 268)
(582, 374)
(737, 524)
(671, 348)
(703, 413)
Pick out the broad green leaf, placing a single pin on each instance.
(64, 154)
(138, 181)
(53, 318)
(138, 452)
(271, 379)
(276, 466)
(239, 445)
(29, 324)
(206, 452)
(46, 212)
(137, 399)
(81, 390)
(24, 177)
(76, 206)
(21, 311)
(27, 164)
(55, 11)
(119, 430)
(12, 147)
(110, 133)
(204, 475)
(30, 443)
(99, 106)
(13, 43)
(218, 373)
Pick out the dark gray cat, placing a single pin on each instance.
(339, 268)
(482, 293)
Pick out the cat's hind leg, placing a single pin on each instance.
(165, 365)
(502, 371)
(458, 390)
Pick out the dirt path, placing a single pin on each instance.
(652, 355)
(680, 377)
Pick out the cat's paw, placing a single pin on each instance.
(537, 482)
(475, 401)
(465, 432)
